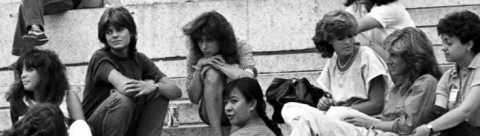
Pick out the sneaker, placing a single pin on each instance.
(34, 38)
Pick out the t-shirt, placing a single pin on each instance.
(409, 107)
(354, 82)
(456, 90)
(392, 17)
(97, 86)
(18, 108)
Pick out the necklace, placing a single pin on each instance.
(345, 64)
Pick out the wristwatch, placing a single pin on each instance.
(430, 128)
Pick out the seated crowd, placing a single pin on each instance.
(389, 85)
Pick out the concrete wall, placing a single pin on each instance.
(279, 31)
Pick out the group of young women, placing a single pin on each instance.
(394, 89)
(420, 102)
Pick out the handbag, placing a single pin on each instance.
(282, 91)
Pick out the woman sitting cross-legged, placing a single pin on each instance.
(414, 70)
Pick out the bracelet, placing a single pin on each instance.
(430, 127)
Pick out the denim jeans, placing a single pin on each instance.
(121, 115)
(32, 12)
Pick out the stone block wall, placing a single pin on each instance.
(279, 32)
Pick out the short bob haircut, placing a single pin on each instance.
(416, 49)
(251, 90)
(44, 119)
(118, 17)
(375, 2)
(465, 25)
(214, 25)
(334, 24)
(53, 80)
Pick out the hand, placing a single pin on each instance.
(324, 103)
(213, 60)
(421, 131)
(140, 88)
(359, 121)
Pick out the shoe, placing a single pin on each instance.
(34, 38)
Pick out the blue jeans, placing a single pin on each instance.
(32, 12)
(121, 115)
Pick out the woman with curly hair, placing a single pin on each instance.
(376, 20)
(245, 108)
(42, 80)
(355, 76)
(43, 119)
(215, 57)
(415, 72)
(458, 91)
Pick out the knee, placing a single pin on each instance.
(213, 76)
(122, 102)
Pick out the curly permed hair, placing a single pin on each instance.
(465, 25)
(53, 80)
(335, 24)
(215, 25)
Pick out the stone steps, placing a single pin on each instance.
(279, 32)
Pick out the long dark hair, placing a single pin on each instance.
(118, 17)
(416, 49)
(251, 90)
(215, 25)
(53, 80)
(43, 119)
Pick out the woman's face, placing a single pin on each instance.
(453, 49)
(343, 46)
(208, 46)
(118, 38)
(238, 110)
(30, 78)
(396, 64)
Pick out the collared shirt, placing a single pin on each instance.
(244, 54)
(455, 88)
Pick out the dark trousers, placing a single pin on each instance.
(120, 115)
(462, 129)
(32, 12)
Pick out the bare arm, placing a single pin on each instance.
(366, 23)
(118, 80)
(168, 89)
(233, 71)
(74, 106)
(459, 114)
(376, 98)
